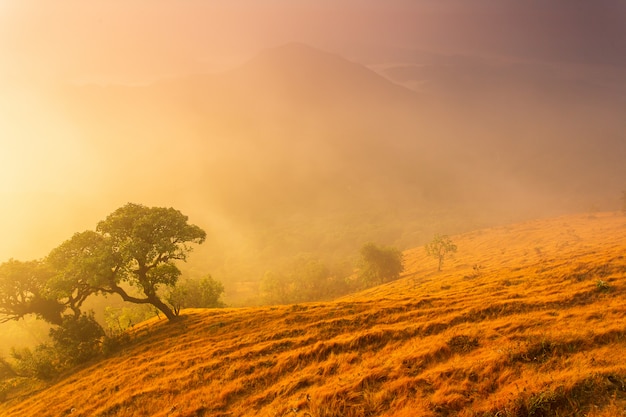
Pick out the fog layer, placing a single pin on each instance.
(284, 129)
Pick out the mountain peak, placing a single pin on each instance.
(297, 66)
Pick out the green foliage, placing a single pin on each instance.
(378, 265)
(24, 290)
(82, 266)
(440, 247)
(135, 245)
(77, 340)
(119, 319)
(42, 362)
(146, 242)
(603, 286)
(203, 293)
(6, 370)
(307, 279)
(276, 288)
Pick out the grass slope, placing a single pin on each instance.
(537, 328)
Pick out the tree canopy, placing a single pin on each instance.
(143, 245)
(24, 290)
(135, 247)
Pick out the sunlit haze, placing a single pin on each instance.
(286, 127)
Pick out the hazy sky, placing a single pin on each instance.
(48, 169)
(78, 39)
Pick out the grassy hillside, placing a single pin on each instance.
(526, 320)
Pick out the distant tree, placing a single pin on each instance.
(306, 279)
(189, 293)
(440, 248)
(310, 279)
(379, 264)
(276, 288)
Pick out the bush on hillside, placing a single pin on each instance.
(378, 264)
(307, 279)
(78, 339)
(42, 362)
(189, 293)
(75, 341)
(6, 370)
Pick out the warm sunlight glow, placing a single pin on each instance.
(313, 142)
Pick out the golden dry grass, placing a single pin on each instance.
(537, 328)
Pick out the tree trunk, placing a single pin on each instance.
(164, 308)
(151, 299)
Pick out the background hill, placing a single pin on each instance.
(302, 151)
(527, 320)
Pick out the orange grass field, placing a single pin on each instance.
(525, 320)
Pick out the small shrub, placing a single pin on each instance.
(537, 405)
(462, 343)
(42, 363)
(6, 370)
(11, 386)
(204, 293)
(119, 319)
(77, 340)
(603, 286)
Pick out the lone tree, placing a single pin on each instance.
(378, 265)
(440, 248)
(143, 244)
(135, 247)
